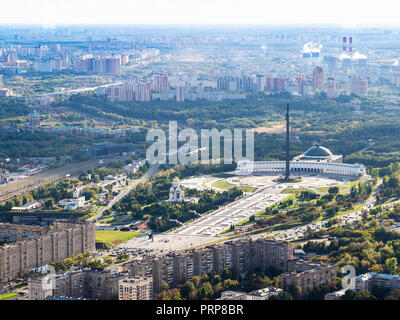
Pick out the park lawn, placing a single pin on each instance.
(244, 222)
(342, 189)
(295, 191)
(114, 238)
(355, 208)
(341, 213)
(8, 296)
(247, 189)
(260, 214)
(386, 201)
(107, 220)
(222, 184)
(129, 183)
(224, 232)
(223, 175)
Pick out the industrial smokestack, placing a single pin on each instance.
(344, 44)
(350, 44)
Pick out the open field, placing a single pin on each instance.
(8, 296)
(295, 191)
(275, 128)
(113, 238)
(222, 184)
(247, 189)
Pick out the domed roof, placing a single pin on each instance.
(318, 152)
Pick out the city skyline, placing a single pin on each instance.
(309, 12)
(143, 158)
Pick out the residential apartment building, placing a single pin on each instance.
(231, 83)
(37, 246)
(88, 284)
(357, 85)
(160, 82)
(318, 78)
(143, 91)
(332, 90)
(180, 93)
(261, 294)
(308, 276)
(103, 284)
(137, 288)
(122, 92)
(101, 65)
(369, 280)
(40, 288)
(242, 256)
(276, 84)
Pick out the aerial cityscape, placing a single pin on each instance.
(203, 162)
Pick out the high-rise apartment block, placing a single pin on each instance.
(318, 78)
(143, 91)
(180, 93)
(136, 288)
(276, 84)
(308, 276)
(122, 92)
(33, 121)
(160, 82)
(357, 85)
(370, 280)
(230, 83)
(242, 256)
(332, 91)
(38, 246)
(88, 284)
(102, 65)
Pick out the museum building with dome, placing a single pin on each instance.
(317, 159)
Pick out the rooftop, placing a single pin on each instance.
(318, 152)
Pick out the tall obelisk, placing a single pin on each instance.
(287, 171)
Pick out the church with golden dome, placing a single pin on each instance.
(176, 193)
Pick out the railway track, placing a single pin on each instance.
(14, 188)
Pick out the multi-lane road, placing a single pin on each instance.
(73, 91)
(153, 170)
(296, 233)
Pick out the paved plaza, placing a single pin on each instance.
(205, 229)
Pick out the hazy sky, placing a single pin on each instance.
(344, 12)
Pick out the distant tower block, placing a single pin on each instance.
(34, 121)
(344, 44)
(350, 44)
